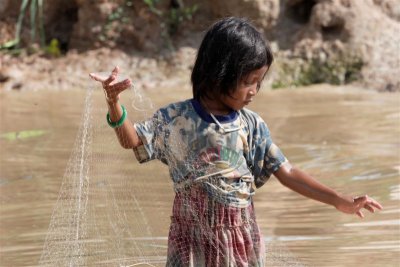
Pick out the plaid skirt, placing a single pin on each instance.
(204, 232)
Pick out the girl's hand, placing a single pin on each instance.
(111, 89)
(354, 205)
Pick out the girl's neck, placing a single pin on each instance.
(214, 106)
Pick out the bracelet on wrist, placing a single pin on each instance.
(120, 121)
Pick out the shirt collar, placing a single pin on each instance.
(205, 116)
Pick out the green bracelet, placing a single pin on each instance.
(117, 123)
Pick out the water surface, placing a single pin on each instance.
(347, 138)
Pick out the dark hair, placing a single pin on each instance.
(230, 50)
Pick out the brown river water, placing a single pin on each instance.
(347, 138)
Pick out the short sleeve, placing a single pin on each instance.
(150, 133)
(266, 156)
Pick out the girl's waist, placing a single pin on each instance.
(198, 206)
(235, 191)
(231, 176)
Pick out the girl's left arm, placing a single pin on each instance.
(306, 185)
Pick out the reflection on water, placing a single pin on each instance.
(348, 139)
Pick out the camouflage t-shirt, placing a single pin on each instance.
(223, 154)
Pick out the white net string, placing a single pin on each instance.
(112, 211)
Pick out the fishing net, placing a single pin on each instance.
(113, 211)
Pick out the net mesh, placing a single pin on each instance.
(113, 211)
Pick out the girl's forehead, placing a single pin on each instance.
(257, 72)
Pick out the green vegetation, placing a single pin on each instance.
(172, 19)
(13, 136)
(13, 47)
(152, 6)
(115, 23)
(177, 16)
(337, 71)
(53, 49)
(36, 24)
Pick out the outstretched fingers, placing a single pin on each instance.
(111, 88)
(120, 86)
(375, 204)
(367, 203)
(97, 77)
(360, 214)
(369, 208)
(372, 205)
(112, 77)
(105, 80)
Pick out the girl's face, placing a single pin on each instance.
(246, 90)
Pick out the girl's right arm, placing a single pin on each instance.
(126, 133)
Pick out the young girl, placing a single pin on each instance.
(216, 150)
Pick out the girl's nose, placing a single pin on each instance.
(253, 91)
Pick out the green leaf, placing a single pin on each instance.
(9, 44)
(12, 136)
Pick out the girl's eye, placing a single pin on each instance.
(247, 83)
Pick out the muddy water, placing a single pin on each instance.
(349, 139)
